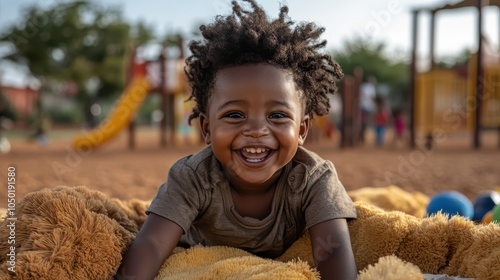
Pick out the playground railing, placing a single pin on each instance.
(440, 101)
(446, 99)
(490, 111)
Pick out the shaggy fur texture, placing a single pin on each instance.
(220, 262)
(77, 233)
(68, 233)
(393, 198)
(434, 244)
(391, 268)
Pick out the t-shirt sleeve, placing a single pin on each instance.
(326, 199)
(178, 199)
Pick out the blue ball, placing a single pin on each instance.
(451, 203)
(484, 203)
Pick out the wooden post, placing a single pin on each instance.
(163, 95)
(479, 76)
(356, 112)
(172, 125)
(131, 135)
(432, 43)
(128, 79)
(412, 83)
(346, 129)
(498, 128)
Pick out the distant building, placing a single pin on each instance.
(23, 99)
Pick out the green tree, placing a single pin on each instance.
(454, 60)
(376, 61)
(82, 42)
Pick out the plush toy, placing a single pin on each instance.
(393, 198)
(77, 233)
(435, 244)
(67, 233)
(391, 268)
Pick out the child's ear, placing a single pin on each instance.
(304, 129)
(205, 128)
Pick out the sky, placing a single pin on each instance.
(386, 21)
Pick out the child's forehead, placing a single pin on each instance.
(231, 81)
(255, 70)
(255, 76)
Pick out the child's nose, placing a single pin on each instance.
(256, 128)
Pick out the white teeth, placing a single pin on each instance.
(255, 160)
(255, 150)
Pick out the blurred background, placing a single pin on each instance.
(92, 92)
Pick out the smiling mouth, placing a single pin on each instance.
(255, 154)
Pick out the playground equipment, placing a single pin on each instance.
(162, 76)
(121, 115)
(351, 120)
(458, 99)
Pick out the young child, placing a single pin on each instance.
(256, 84)
(381, 120)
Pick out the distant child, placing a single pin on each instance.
(381, 120)
(42, 127)
(399, 126)
(367, 94)
(256, 84)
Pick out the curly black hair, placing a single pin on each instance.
(249, 37)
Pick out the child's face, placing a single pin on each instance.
(255, 122)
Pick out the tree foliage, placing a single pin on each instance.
(75, 42)
(456, 60)
(376, 61)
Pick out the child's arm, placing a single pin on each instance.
(332, 251)
(153, 244)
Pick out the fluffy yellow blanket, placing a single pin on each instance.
(78, 233)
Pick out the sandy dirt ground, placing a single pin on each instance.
(125, 174)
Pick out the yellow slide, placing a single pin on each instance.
(119, 117)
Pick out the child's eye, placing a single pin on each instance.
(277, 115)
(234, 115)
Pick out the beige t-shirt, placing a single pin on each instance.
(197, 197)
